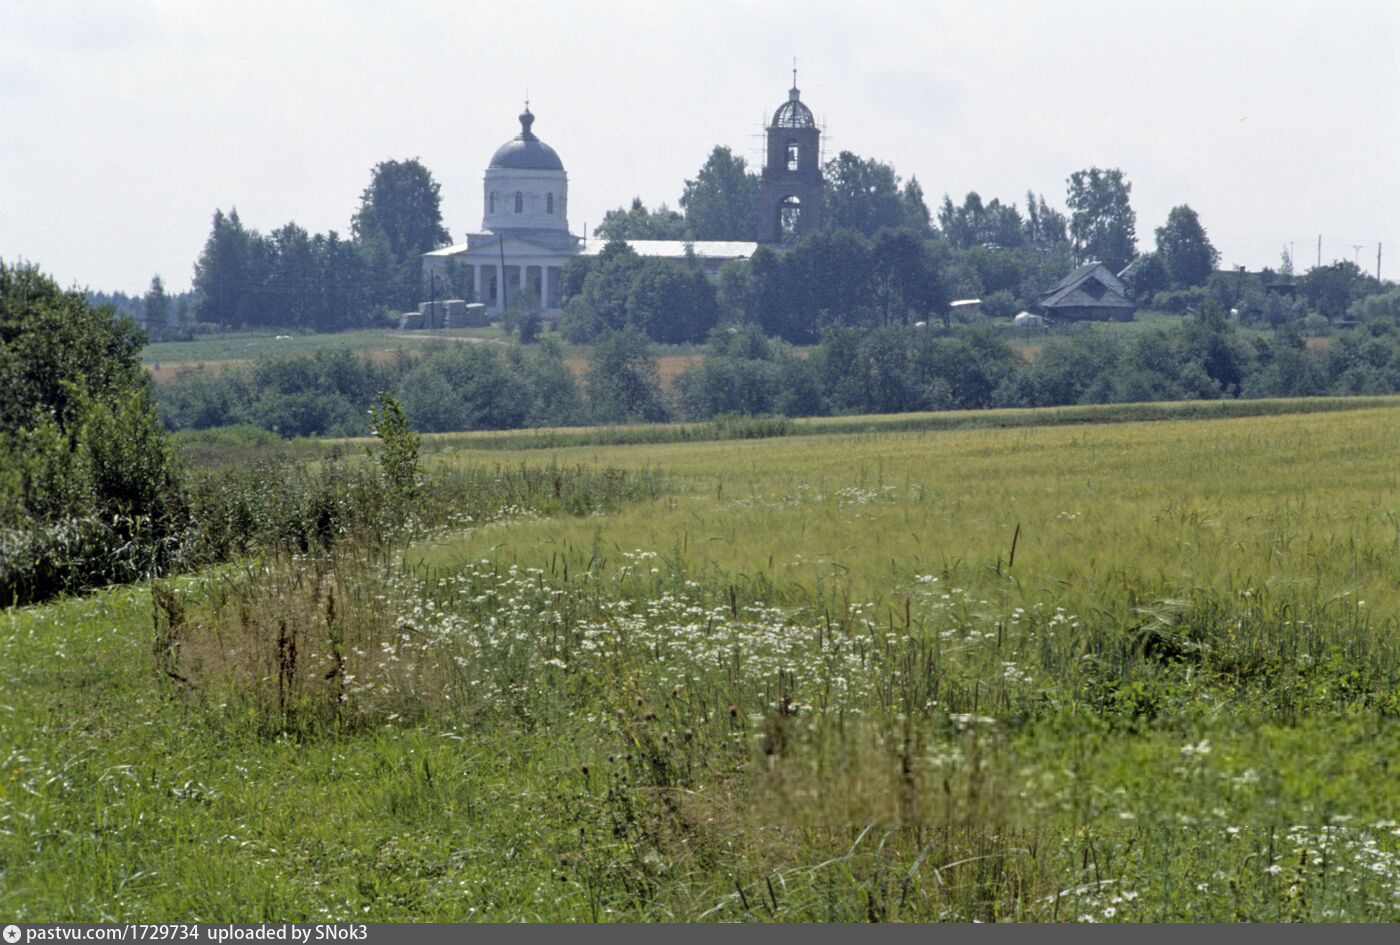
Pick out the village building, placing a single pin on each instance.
(1090, 293)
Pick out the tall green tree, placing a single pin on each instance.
(402, 204)
(638, 222)
(825, 279)
(156, 303)
(623, 383)
(916, 212)
(1185, 250)
(864, 195)
(1329, 290)
(671, 303)
(1102, 222)
(721, 203)
(343, 294)
(600, 303)
(293, 282)
(399, 219)
(995, 224)
(907, 277)
(1046, 227)
(1148, 276)
(230, 277)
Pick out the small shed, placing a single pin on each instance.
(1029, 320)
(1090, 293)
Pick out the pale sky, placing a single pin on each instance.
(123, 125)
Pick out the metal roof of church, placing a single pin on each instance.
(793, 114)
(525, 152)
(676, 249)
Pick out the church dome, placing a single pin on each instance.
(793, 114)
(525, 152)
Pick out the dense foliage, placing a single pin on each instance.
(721, 203)
(455, 387)
(995, 225)
(866, 195)
(1102, 222)
(89, 489)
(895, 368)
(618, 289)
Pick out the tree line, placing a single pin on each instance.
(156, 306)
(291, 278)
(885, 368)
(895, 368)
(454, 387)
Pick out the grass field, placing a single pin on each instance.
(241, 349)
(906, 669)
(246, 346)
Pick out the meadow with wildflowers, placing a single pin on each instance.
(1061, 672)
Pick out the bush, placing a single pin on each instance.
(398, 453)
(1000, 304)
(623, 384)
(455, 387)
(1316, 325)
(1383, 307)
(90, 491)
(1180, 301)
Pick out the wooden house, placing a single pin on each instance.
(1090, 293)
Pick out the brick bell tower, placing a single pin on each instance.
(791, 188)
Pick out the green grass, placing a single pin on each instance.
(763, 427)
(1144, 321)
(809, 680)
(239, 346)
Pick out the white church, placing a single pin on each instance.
(525, 232)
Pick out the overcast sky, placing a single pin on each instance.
(124, 125)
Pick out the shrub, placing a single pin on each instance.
(90, 492)
(398, 454)
(1001, 304)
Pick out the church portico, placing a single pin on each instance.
(475, 267)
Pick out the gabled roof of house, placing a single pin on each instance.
(1092, 285)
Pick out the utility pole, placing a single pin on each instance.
(1356, 253)
(1319, 250)
(501, 244)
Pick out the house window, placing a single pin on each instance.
(549, 203)
(792, 155)
(491, 199)
(519, 202)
